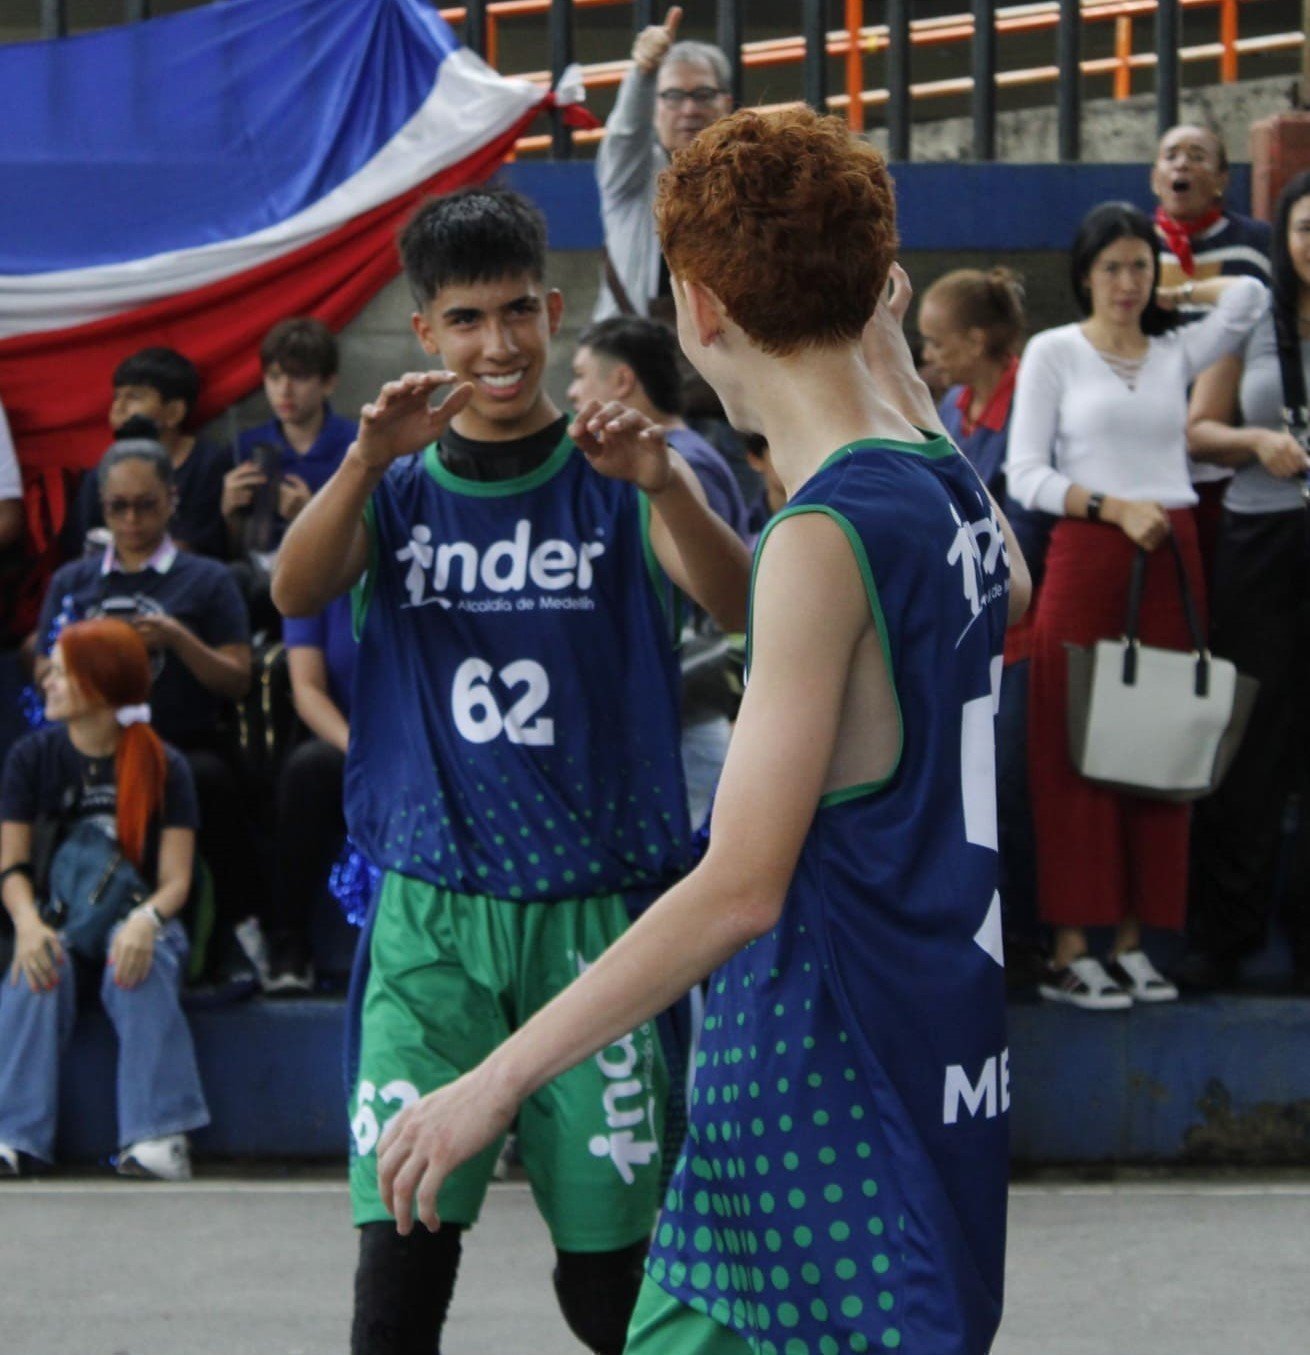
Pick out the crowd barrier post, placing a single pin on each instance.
(1069, 88)
(814, 23)
(1168, 32)
(54, 19)
(984, 79)
(561, 58)
(475, 27)
(898, 79)
(730, 33)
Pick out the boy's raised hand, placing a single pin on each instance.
(623, 444)
(402, 420)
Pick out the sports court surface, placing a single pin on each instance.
(240, 1262)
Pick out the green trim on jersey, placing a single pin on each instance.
(855, 792)
(937, 448)
(362, 593)
(671, 598)
(498, 489)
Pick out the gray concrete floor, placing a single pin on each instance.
(262, 1264)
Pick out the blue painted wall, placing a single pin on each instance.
(942, 206)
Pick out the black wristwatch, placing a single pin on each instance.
(1094, 502)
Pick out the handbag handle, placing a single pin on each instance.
(1132, 621)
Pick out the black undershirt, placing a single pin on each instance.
(492, 461)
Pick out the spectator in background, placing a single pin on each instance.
(101, 748)
(1098, 440)
(189, 612)
(635, 361)
(154, 393)
(673, 91)
(1259, 619)
(311, 822)
(972, 325)
(304, 441)
(11, 490)
(1202, 238)
(772, 496)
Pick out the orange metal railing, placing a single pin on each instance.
(855, 41)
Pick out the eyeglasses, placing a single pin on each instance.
(701, 96)
(142, 507)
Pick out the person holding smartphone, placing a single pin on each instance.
(281, 463)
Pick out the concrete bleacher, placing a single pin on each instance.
(1216, 1080)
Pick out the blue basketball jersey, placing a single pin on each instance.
(515, 723)
(843, 1185)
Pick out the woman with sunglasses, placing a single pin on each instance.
(189, 612)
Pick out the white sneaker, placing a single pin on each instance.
(1133, 972)
(9, 1163)
(1084, 983)
(166, 1159)
(250, 937)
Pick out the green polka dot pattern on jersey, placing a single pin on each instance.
(777, 1196)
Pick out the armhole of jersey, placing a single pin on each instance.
(362, 593)
(670, 597)
(863, 788)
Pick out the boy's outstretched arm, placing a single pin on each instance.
(325, 549)
(775, 773)
(697, 550)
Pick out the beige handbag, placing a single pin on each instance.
(1160, 723)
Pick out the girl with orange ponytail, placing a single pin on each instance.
(100, 760)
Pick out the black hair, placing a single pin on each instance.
(1288, 286)
(164, 370)
(1100, 228)
(300, 346)
(475, 235)
(649, 348)
(136, 449)
(137, 427)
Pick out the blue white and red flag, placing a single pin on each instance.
(190, 180)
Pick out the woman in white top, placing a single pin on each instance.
(1098, 438)
(1259, 617)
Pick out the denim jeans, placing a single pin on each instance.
(158, 1083)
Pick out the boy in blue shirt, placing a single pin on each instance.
(299, 359)
(844, 1179)
(513, 763)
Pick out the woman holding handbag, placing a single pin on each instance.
(98, 772)
(1097, 438)
(1249, 412)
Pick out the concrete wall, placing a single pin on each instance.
(1113, 131)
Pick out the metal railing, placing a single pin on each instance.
(1154, 26)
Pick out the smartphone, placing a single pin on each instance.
(263, 504)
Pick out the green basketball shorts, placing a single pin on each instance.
(452, 977)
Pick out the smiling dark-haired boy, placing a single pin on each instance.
(513, 761)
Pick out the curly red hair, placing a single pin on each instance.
(788, 219)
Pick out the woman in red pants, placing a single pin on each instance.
(1098, 439)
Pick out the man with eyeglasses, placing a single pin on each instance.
(673, 92)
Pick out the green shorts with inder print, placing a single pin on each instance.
(452, 977)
